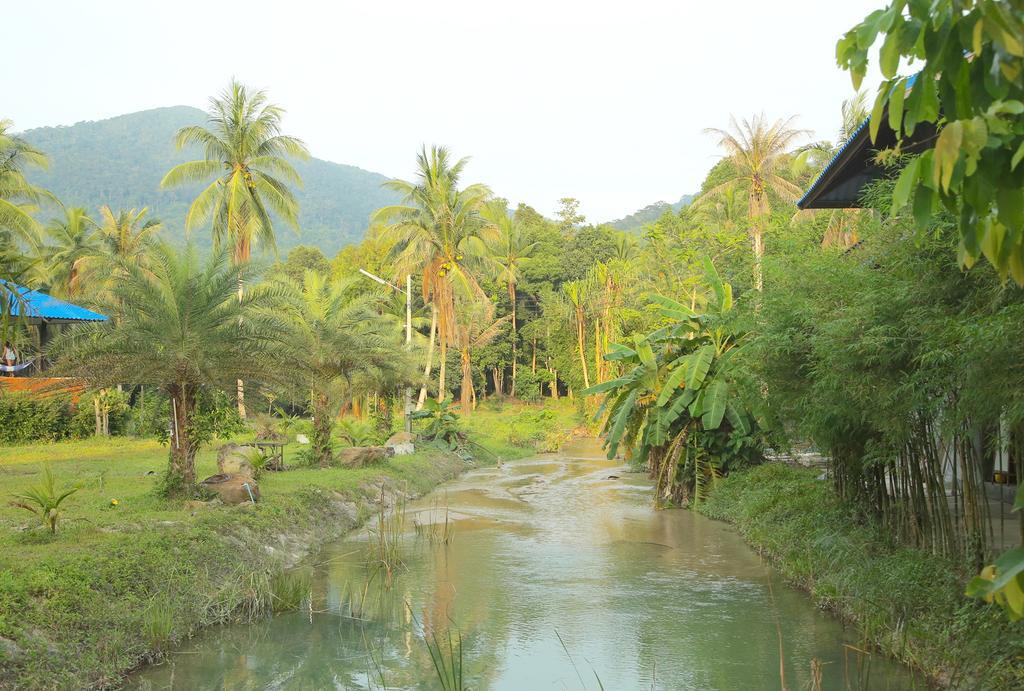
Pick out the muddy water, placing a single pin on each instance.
(558, 574)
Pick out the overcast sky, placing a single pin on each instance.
(605, 102)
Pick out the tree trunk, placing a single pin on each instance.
(554, 382)
(430, 357)
(239, 384)
(466, 387)
(598, 363)
(533, 366)
(515, 338)
(757, 245)
(323, 424)
(581, 339)
(181, 471)
(96, 415)
(441, 392)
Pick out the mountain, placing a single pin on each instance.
(635, 221)
(120, 162)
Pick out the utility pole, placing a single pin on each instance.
(408, 332)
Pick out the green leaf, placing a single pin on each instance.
(879, 109)
(675, 378)
(619, 352)
(622, 416)
(889, 55)
(737, 420)
(1017, 157)
(698, 366)
(905, 184)
(645, 353)
(947, 152)
(715, 399)
(671, 308)
(924, 205)
(1018, 502)
(896, 98)
(608, 385)
(715, 281)
(1011, 206)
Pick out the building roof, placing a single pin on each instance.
(841, 183)
(36, 307)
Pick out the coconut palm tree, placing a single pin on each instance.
(506, 252)
(431, 230)
(246, 156)
(477, 328)
(183, 329)
(578, 293)
(73, 246)
(127, 235)
(756, 150)
(341, 341)
(18, 197)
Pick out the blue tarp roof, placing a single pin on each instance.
(35, 305)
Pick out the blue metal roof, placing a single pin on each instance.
(36, 305)
(841, 154)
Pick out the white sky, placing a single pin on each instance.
(605, 102)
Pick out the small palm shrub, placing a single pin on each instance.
(442, 424)
(44, 501)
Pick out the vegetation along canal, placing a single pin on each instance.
(555, 572)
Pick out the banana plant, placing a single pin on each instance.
(680, 407)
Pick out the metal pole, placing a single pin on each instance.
(408, 346)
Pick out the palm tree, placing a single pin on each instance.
(756, 150)
(506, 253)
(183, 329)
(18, 197)
(578, 294)
(341, 340)
(431, 231)
(74, 246)
(244, 153)
(128, 235)
(477, 328)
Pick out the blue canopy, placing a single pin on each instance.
(39, 307)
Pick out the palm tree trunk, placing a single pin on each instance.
(430, 357)
(239, 384)
(598, 377)
(515, 337)
(467, 382)
(441, 393)
(323, 424)
(181, 471)
(533, 366)
(757, 245)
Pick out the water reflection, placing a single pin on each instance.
(560, 574)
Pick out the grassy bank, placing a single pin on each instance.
(119, 583)
(908, 603)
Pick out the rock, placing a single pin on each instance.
(362, 456)
(302, 438)
(401, 443)
(236, 459)
(194, 505)
(232, 488)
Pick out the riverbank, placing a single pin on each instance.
(120, 582)
(908, 603)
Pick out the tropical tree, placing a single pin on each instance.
(183, 329)
(756, 151)
(507, 252)
(681, 403)
(578, 293)
(127, 236)
(73, 246)
(431, 230)
(477, 328)
(340, 342)
(247, 156)
(18, 197)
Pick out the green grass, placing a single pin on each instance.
(905, 601)
(81, 607)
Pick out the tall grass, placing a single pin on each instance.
(386, 537)
(436, 532)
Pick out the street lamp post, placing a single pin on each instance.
(408, 333)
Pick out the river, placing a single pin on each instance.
(558, 574)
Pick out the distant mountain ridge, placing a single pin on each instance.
(121, 160)
(650, 213)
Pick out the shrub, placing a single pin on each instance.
(27, 418)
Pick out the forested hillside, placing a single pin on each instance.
(120, 162)
(635, 221)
